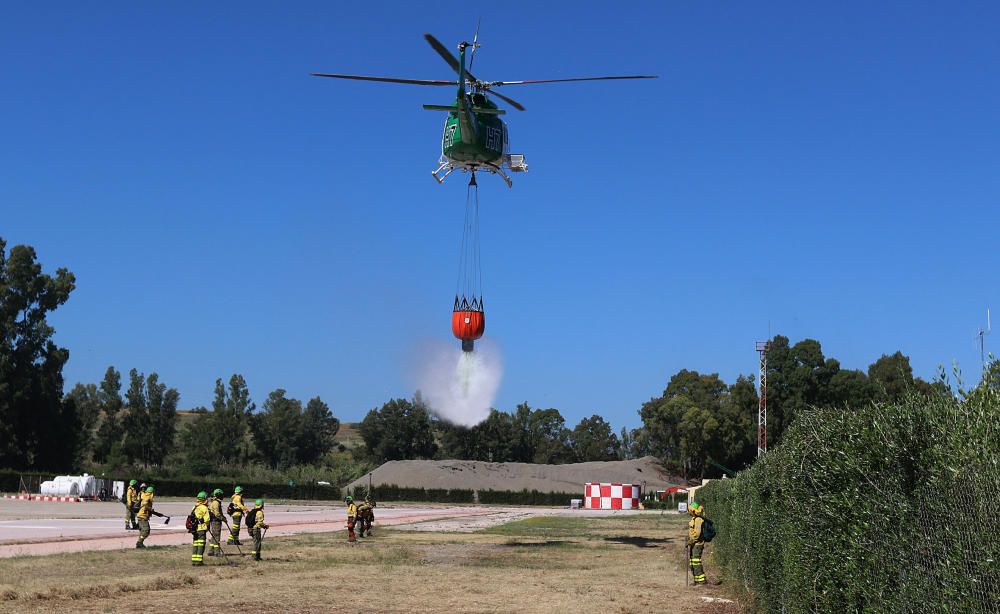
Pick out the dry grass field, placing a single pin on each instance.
(543, 564)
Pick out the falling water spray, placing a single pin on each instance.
(459, 387)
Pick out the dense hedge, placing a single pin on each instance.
(526, 497)
(401, 493)
(251, 490)
(893, 508)
(170, 487)
(434, 495)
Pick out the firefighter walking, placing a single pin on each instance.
(366, 515)
(215, 522)
(199, 522)
(131, 502)
(257, 528)
(145, 511)
(696, 542)
(237, 509)
(352, 517)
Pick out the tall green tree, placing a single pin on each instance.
(198, 444)
(230, 420)
(593, 440)
(550, 437)
(276, 430)
(37, 428)
(111, 427)
(523, 445)
(737, 417)
(491, 440)
(319, 428)
(88, 409)
(798, 378)
(150, 419)
(399, 430)
(892, 376)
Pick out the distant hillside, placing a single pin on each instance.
(349, 436)
(480, 475)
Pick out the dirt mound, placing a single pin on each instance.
(480, 475)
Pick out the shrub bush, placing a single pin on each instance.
(892, 508)
(496, 497)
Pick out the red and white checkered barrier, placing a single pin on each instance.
(603, 496)
(43, 498)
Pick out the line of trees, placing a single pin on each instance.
(403, 429)
(698, 426)
(140, 429)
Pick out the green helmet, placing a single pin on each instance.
(202, 495)
(238, 489)
(217, 492)
(149, 489)
(131, 483)
(349, 499)
(259, 503)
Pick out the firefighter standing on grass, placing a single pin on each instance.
(352, 517)
(145, 510)
(696, 542)
(258, 528)
(201, 518)
(236, 510)
(131, 498)
(366, 514)
(215, 523)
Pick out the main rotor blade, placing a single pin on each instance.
(517, 105)
(499, 83)
(387, 79)
(447, 55)
(475, 43)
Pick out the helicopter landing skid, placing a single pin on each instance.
(447, 168)
(499, 171)
(444, 165)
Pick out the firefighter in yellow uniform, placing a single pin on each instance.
(215, 523)
(201, 518)
(131, 498)
(145, 511)
(238, 508)
(258, 528)
(352, 517)
(696, 542)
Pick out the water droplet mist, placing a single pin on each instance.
(459, 387)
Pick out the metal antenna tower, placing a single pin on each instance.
(762, 349)
(982, 340)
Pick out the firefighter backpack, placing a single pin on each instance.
(191, 523)
(251, 518)
(708, 530)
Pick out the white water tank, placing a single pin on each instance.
(70, 486)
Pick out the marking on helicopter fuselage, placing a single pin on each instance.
(449, 136)
(494, 139)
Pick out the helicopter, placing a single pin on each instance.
(474, 137)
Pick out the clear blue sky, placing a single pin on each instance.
(831, 170)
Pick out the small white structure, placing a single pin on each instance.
(71, 486)
(601, 496)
